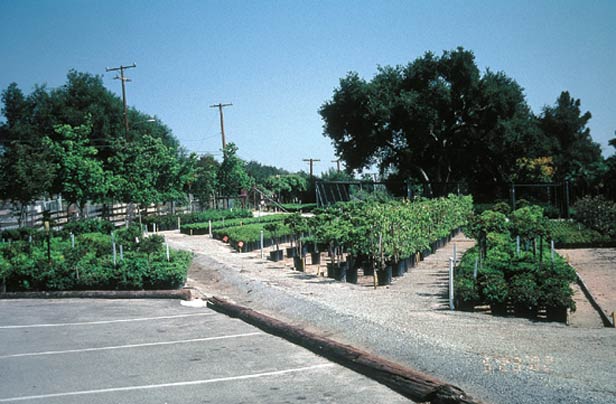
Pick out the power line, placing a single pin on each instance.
(124, 79)
(220, 106)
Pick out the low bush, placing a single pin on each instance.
(573, 234)
(497, 273)
(203, 228)
(597, 213)
(25, 266)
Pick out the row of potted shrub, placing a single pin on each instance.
(388, 237)
(86, 261)
(220, 225)
(512, 268)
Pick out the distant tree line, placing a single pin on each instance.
(71, 141)
(440, 120)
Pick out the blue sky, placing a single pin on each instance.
(278, 61)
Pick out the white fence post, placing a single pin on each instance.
(451, 266)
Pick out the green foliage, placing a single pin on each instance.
(529, 223)
(568, 233)
(90, 266)
(597, 213)
(203, 228)
(87, 226)
(525, 279)
(576, 157)
(170, 222)
(287, 187)
(232, 176)
(299, 207)
(72, 140)
(404, 228)
(412, 120)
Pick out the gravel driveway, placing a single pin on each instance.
(499, 360)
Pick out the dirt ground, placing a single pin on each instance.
(597, 267)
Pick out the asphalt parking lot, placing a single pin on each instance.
(158, 351)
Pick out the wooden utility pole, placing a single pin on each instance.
(337, 164)
(220, 106)
(311, 162)
(124, 79)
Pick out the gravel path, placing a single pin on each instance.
(597, 267)
(499, 360)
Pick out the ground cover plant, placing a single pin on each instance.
(570, 234)
(512, 268)
(53, 263)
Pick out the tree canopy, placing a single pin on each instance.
(440, 120)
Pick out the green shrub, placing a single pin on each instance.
(90, 266)
(87, 226)
(597, 213)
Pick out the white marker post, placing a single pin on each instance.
(210, 228)
(114, 254)
(167, 245)
(179, 224)
(121, 253)
(451, 306)
(476, 266)
(72, 241)
(261, 244)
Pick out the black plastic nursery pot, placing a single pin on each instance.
(556, 314)
(384, 276)
(315, 258)
(340, 271)
(277, 255)
(330, 270)
(298, 263)
(351, 274)
(291, 252)
(398, 268)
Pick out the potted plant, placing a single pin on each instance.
(298, 226)
(273, 228)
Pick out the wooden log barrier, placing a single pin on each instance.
(410, 383)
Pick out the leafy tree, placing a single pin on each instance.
(80, 177)
(287, 187)
(149, 172)
(436, 119)
(205, 183)
(27, 171)
(334, 175)
(576, 157)
(261, 172)
(232, 176)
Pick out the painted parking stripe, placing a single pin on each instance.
(125, 320)
(164, 385)
(147, 344)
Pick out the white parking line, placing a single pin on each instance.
(158, 386)
(126, 320)
(147, 344)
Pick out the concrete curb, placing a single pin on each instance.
(184, 294)
(604, 317)
(410, 383)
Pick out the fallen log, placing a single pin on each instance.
(410, 383)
